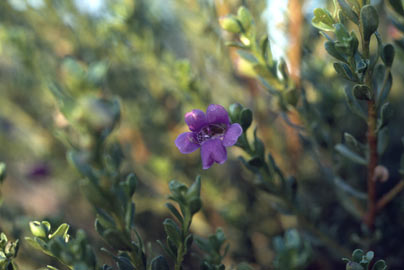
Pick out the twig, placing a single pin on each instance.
(390, 195)
(373, 159)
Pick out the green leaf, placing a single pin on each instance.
(385, 91)
(380, 265)
(361, 66)
(259, 146)
(175, 212)
(357, 255)
(99, 227)
(386, 114)
(236, 44)
(33, 243)
(375, 57)
(172, 231)
(383, 140)
(188, 242)
(231, 24)
(266, 50)
(246, 117)
(323, 20)
(234, 112)
(80, 162)
(330, 48)
(116, 239)
(124, 263)
(159, 263)
(348, 12)
(344, 70)
(61, 231)
(247, 56)
(354, 266)
(129, 185)
(51, 267)
(369, 255)
(167, 249)
(195, 204)
(130, 216)
(194, 190)
(397, 5)
(378, 77)
(39, 229)
(347, 189)
(369, 21)
(66, 103)
(352, 142)
(353, 105)
(388, 54)
(283, 69)
(245, 17)
(362, 92)
(349, 154)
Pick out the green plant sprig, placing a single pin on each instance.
(99, 162)
(8, 252)
(74, 253)
(179, 238)
(272, 73)
(372, 82)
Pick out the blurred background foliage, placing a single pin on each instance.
(163, 59)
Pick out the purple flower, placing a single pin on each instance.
(212, 132)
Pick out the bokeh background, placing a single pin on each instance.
(164, 58)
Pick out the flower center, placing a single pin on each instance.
(210, 132)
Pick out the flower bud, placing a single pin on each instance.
(381, 173)
(246, 118)
(234, 112)
(194, 190)
(195, 205)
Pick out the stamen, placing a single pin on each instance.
(210, 131)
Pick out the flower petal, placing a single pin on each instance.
(195, 120)
(185, 142)
(216, 114)
(232, 134)
(213, 151)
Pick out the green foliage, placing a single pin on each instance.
(214, 250)
(323, 20)
(179, 238)
(362, 261)
(74, 252)
(105, 187)
(369, 21)
(291, 251)
(140, 65)
(257, 52)
(8, 252)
